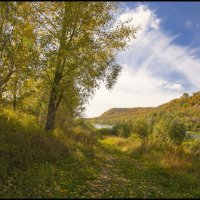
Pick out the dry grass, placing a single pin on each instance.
(176, 161)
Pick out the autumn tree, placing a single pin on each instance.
(80, 41)
(7, 22)
(19, 54)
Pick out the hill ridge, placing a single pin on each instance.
(186, 108)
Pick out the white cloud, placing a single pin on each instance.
(188, 23)
(155, 70)
(133, 89)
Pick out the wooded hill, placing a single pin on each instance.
(185, 108)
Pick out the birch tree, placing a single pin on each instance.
(79, 42)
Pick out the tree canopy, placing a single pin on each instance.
(70, 47)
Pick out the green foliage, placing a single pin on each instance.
(169, 129)
(68, 47)
(80, 32)
(107, 131)
(140, 127)
(122, 129)
(161, 129)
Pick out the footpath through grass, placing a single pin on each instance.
(136, 175)
(81, 164)
(107, 173)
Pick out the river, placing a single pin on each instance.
(99, 126)
(195, 136)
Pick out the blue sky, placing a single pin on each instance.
(181, 18)
(162, 62)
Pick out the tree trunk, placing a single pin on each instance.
(51, 111)
(15, 96)
(1, 97)
(56, 94)
(53, 103)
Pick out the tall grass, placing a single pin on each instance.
(30, 155)
(162, 139)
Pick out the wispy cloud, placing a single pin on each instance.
(188, 23)
(155, 69)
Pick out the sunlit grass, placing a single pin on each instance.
(78, 163)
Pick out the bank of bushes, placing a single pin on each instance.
(164, 128)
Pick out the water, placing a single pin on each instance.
(99, 126)
(194, 136)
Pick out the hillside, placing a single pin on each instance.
(187, 109)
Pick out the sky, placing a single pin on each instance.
(162, 62)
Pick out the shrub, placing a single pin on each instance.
(122, 129)
(107, 131)
(169, 129)
(140, 127)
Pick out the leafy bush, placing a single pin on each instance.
(140, 127)
(122, 129)
(169, 129)
(107, 131)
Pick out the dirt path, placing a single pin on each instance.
(112, 173)
(123, 176)
(113, 180)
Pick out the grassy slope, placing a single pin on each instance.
(78, 164)
(120, 114)
(186, 109)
